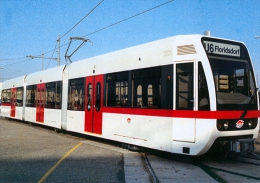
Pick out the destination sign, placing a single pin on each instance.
(221, 48)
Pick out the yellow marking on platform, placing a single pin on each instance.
(57, 164)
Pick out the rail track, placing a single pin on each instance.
(227, 173)
(149, 168)
(238, 168)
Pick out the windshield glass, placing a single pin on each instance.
(234, 84)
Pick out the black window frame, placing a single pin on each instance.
(30, 100)
(6, 96)
(160, 94)
(76, 101)
(54, 95)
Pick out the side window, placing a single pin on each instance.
(184, 86)
(98, 96)
(139, 96)
(150, 95)
(58, 95)
(167, 87)
(147, 87)
(6, 96)
(40, 95)
(203, 94)
(89, 96)
(76, 94)
(30, 96)
(50, 95)
(13, 97)
(19, 96)
(117, 89)
(53, 95)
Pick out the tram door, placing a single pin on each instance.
(94, 103)
(13, 102)
(40, 102)
(184, 102)
(185, 86)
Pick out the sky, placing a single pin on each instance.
(29, 27)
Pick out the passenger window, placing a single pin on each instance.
(19, 96)
(117, 89)
(89, 96)
(76, 94)
(40, 96)
(53, 95)
(98, 96)
(6, 96)
(30, 96)
(184, 86)
(167, 87)
(150, 95)
(13, 97)
(147, 87)
(139, 96)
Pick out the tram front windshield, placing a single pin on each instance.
(234, 84)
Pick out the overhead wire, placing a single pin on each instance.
(106, 27)
(77, 23)
(111, 25)
(65, 33)
(138, 14)
(52, 56)
(55, 41)
(16, 62)
(82, 19)
(5, 59)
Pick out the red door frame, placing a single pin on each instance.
(40, 102)
(13, 102)
(94, 103)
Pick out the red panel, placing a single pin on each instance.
(183, 113)
(40, 102)
(13, 102)
(98, 112)
(89, 102)
(93, 114)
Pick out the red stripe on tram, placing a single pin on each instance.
(184, 113)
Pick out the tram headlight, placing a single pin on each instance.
(250, 124)
(226, 125)
(222, 125)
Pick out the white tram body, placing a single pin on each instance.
(43, 97)
(12, 98)
(180, 94)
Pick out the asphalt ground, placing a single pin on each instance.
(34, 154)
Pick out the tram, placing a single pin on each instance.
(183, 94)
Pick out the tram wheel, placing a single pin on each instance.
(57, 130)
(223, 150)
